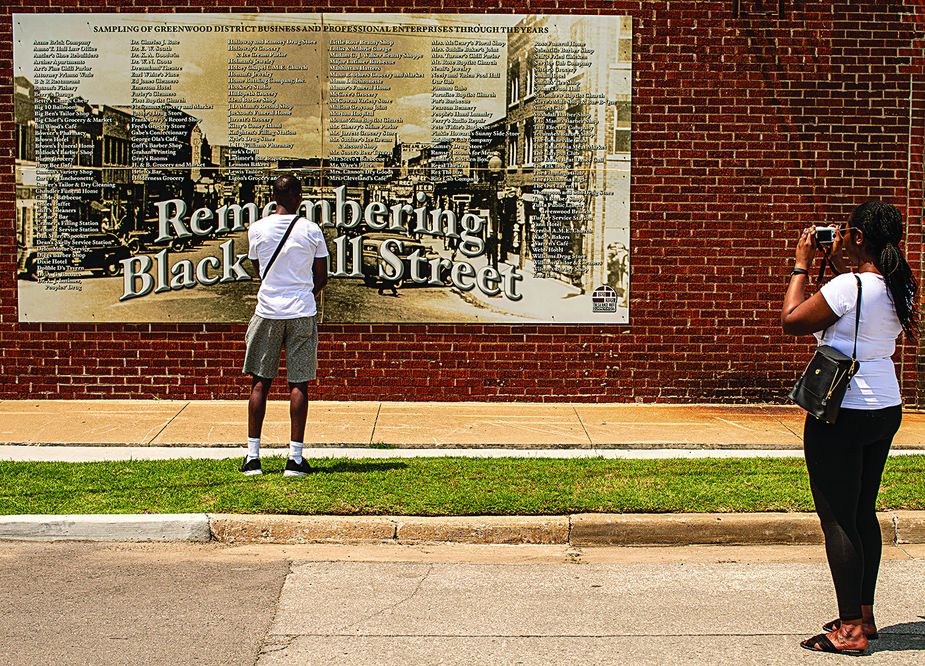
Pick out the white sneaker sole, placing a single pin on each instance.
(254, 472)
(293, 473)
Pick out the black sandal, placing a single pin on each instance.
(835, 625)
(821, 643)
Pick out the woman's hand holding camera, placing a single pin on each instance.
(810, 243)
(806, 249)
(800, 316)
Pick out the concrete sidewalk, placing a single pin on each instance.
(78, 453)
(416, 425)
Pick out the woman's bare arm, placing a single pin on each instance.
(801, 316)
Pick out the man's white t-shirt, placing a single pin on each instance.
(286, 291)
(875, 385)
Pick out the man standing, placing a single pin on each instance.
(293, 254)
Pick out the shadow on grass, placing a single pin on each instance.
(900, 637)
(153, 484)
(360, 467)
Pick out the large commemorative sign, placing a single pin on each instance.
(463, 168)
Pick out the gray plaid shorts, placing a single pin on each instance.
(266, 338)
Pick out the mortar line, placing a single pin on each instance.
(167, 425)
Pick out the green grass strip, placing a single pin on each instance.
(434, 486)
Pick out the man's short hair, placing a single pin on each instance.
(286, 186)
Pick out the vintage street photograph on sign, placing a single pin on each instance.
(463, 168)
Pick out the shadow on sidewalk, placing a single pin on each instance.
(900, 637)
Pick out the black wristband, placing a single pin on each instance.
(799, 271)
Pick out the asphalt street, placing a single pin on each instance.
(80, 603)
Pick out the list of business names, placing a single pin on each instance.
(64, 152)
(511, 119)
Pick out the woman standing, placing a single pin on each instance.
(845, 460)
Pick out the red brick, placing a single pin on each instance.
(744, 132)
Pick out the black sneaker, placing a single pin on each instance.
(297, 469)
(251, 466)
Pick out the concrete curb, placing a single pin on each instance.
(727, 529)
(107, 527)
(232, 528)
(580, 530)
(243, 528)
(539, 530)
(910, 526)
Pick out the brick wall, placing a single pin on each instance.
(916, 181)
(745, 130)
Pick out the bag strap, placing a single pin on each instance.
(857, 319)
(279, 247)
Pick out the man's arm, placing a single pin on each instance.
(319, 274)
(256, 264)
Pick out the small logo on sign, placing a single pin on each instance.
(604, 299)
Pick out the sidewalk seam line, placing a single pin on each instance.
(167, 425)
(372, 433)
(781, 423)
(581, 423)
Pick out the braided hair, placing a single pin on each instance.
(882, 225)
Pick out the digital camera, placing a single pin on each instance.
(825, 235)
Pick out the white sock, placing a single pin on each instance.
(253, 447)
(295, 451)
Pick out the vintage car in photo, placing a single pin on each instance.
(103, 253)
(139, 241)
(372, 257)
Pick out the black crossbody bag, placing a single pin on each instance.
(822, 387)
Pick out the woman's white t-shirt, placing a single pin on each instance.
(286, 290)
(875, 385)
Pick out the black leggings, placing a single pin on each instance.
(845, 463)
